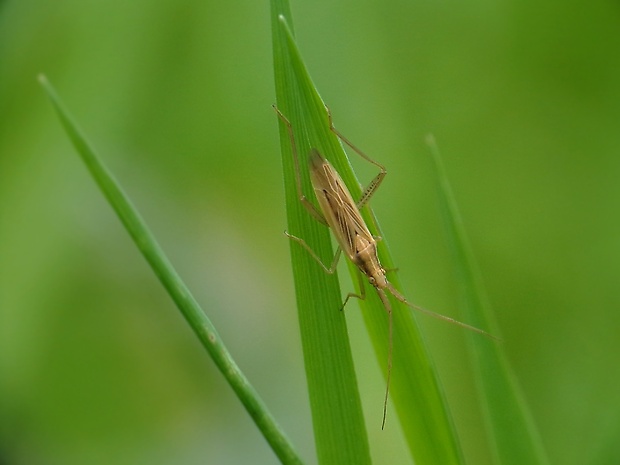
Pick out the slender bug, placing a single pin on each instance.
(341, 214)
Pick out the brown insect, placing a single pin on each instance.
(341, 214)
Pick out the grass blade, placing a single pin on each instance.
(416, 393)
(199, 322)
(515, 438)
(338, 422)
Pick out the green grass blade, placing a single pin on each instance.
(338, 422)
(416, 393)
(515, 438)
(199, 322)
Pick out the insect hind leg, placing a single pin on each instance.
(376, 182)
(316, 214)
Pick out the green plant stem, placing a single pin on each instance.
(194, 315)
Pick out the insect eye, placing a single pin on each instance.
(371, 280)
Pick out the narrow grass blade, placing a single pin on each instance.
(338, 422)
(199, 322)
(514, 436)
(416, 393)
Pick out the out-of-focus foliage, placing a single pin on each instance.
(96, 366)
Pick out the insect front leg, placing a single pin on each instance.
(361, 295)
(332, 268)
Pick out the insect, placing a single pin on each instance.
(341, 214)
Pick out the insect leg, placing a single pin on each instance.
(302, 198)
(371, 189)
(361, 295)
(349, 143)
(374, 184)
(313, 254)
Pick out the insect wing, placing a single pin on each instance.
(338, 206)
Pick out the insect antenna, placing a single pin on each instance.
(388, 309)
(439, 316)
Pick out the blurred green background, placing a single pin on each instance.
(97, 366)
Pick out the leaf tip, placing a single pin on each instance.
(42, 78)
(430, 140)
(284, 23)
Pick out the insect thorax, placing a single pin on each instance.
(366, 259)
